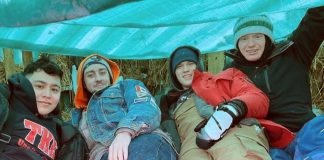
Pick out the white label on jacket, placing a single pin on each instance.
(140, 100)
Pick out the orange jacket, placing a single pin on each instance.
(234, 84)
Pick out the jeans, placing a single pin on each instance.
(285, 153)
(279, 154)
(149, 147)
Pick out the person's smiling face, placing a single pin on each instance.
(47, 90)
(184, 73)
(252, 46)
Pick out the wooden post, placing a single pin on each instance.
(27, 57)
(9, 62)
(215, 62)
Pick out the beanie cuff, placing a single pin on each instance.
(253, 24)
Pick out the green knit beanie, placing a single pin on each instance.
(253, 24)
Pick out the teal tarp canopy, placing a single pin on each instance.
(15, 13)
(138, 29)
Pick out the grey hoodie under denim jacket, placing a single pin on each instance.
(126, 104)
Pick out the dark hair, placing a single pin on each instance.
(44, 63)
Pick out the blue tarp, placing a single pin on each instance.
(152, 29)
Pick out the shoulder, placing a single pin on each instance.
(281, 47)
(4, 90)
(132, 84)
(131, 81)
(231, 73)
(4, 110)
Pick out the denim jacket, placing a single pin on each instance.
(126, 104)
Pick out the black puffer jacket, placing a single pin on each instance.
(284, 74)
(32, 136)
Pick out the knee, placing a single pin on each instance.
(153, 145)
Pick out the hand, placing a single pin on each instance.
(118, 149)
(216, 126)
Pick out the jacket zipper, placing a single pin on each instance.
(266, 77)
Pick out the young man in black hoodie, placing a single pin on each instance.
(29, 131)
(281, 70)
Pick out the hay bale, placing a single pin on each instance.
(2, 73)
(65, 64)
(19, 68)
(317, 79)
(153, 73)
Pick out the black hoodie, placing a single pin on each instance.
(284, 74)
(32, 136)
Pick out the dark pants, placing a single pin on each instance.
(149, 147)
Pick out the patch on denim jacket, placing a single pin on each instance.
(141, 99)
(140, 91)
